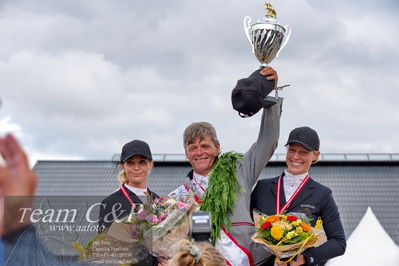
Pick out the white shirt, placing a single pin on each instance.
(137, 191)
(200, 182)
(291, 183)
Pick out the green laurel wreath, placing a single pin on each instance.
(220, 196)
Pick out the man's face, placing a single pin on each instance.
(299, 159)
(202, 155)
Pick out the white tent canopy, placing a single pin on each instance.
(369, 244)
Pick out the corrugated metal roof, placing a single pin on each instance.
(355, 186)
(86, 178)
(280, 157)
(76, 177)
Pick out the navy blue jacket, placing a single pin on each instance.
(122, 205)
(314, 200)
(124, 208)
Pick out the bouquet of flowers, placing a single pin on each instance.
(159, 225)
(287, 235)
(156, 227)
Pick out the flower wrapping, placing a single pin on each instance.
(287, 235)
(155, 227)
(165, 235)
(160, 224)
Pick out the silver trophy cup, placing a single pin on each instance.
(267, 37)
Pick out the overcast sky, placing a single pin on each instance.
(80, 78)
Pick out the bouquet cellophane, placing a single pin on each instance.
(162, 239)
(160, 225)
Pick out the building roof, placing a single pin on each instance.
(356, 183)
(280, 157)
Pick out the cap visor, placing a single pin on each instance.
(134, 154)
(306, 146)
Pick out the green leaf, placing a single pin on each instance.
(220, 196)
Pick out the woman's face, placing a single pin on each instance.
(137, 169)
(298, 159)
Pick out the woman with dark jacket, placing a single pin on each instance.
(135, 163)
(296, 192)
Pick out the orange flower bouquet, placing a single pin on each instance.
(286, 235)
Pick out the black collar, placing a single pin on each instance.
(190, 174)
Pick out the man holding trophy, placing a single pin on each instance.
(222, 183)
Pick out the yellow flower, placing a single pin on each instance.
(290, 234)
(277, 232)
(299, 230)
(295, 223)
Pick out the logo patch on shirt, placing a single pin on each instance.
(307, 206)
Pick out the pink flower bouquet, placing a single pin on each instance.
(159, 225)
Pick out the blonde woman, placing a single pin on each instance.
(135, 163)
(295, 191)
(196, 254)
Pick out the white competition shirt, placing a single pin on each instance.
(200, 182)
(137, 191)
(291, 183)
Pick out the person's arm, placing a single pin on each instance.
(256, 158)
(336, 241)
(110, 209)
(103, 211)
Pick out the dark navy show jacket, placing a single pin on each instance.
(314, 200)
(125, 207)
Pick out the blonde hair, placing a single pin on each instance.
(318, 157)
(196, 254)
(122, 178)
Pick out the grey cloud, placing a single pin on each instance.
(81, 78)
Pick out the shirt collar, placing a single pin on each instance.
(137, 191)
(200, 179)
(291, 177)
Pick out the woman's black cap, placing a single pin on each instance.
(135, 147)
(305, 136)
